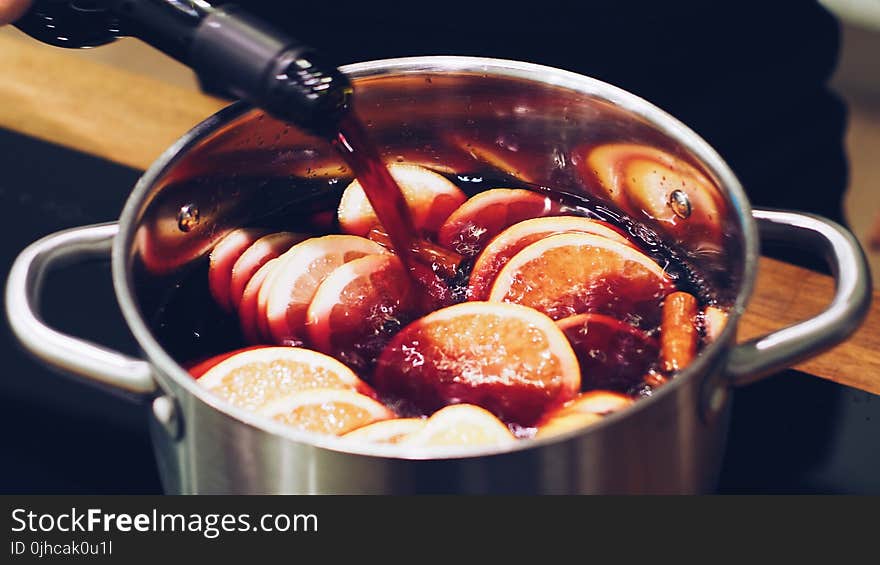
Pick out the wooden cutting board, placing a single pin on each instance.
(131, 118)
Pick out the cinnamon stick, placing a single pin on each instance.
(678, 333)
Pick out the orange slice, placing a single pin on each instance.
(254, 377)
(586, 409)
(601, 402)
(518, 236)
(198, 368)
(258, 254)
(223, 258)
(358, 307)
(511, 360)
(387, 431)
(249, 312)
(470, 227)
(611, 353)
(567, 274)
(262, 301)
(326, 411)
(299, 273)
(460, 425)
(566, 423)
(430, 196)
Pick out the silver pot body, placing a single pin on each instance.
(474, 116)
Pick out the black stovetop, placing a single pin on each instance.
(792, 433)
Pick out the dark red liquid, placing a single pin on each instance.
(192, 327)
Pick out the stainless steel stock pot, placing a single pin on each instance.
(471, 115)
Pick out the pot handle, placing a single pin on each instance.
(60, 351)
(750, 361)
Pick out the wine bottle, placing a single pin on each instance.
(222, 43)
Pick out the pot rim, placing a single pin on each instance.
(168, 368)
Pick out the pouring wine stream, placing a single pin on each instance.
(389, 203)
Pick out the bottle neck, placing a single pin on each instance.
(222, 43)
(165, 24)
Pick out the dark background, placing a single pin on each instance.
(748, 76)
